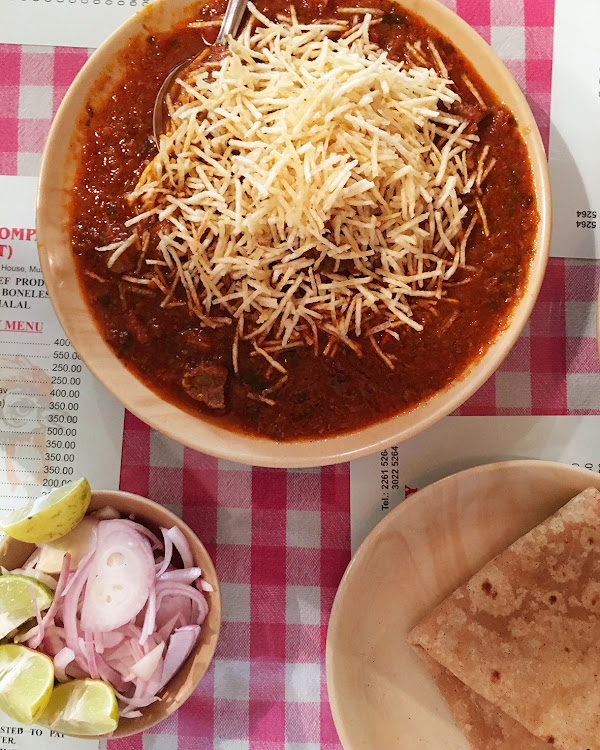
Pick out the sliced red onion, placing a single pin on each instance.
(141, 529)
(91, 655)
(130, 713)
(84, 656)
(98, 641)
(205, 585)
(75, 672)
(169, 605)
(169, 588)
(180, 575)
(112, 638)
(150, 616)
(181, 643)
(148, 664)
(181, 545)
(134, 703)
(141, 690)
(122, 556)
(48, 619)
(133, 630)
(134, 647)
(36, 606)
(166, 630)
(83, 566)
(31, 561)
(71, 597)
(54, 640)
(110, 675)
(61, 661)
(118, 652)
(168, 552)
(121, 659)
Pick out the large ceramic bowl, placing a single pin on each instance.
(56, 181)
(13, 554)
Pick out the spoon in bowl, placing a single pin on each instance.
(231, 21)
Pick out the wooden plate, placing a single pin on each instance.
(381, 696)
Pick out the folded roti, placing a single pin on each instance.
(524, 632)
(485, 726)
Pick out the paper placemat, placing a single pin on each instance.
(63, 23)
(51, 406)
(574, 157)
(380, 482)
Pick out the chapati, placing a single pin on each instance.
(484, 725)
(524, 632)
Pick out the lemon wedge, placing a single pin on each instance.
(50, 516)
(82, 707)
(16, 605)
(26, 681)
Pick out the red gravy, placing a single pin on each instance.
(323, 396)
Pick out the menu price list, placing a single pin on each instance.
(45, 415)
(50, 404)
(62, 417)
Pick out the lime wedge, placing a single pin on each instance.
(50, 516)
(26, 681)
(16, 605)
(83, 707)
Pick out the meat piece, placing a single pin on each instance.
(126, 262)
(471, 112)
(137, 329)
(206, 383)
(200, 340)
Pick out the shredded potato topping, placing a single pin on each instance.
(308, 183)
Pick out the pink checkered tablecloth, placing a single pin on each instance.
(281, 539)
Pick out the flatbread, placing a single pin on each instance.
(524, 632)
(485, 726)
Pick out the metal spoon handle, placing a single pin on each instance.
(231, 20)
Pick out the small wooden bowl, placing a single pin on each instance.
(13, 554)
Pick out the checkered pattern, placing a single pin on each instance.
(33, 81)
(281, 539)
(553, 368)
(280, 542)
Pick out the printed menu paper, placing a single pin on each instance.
(380, 482)
(574, 158)
(63, 23)
(15, 736)
(56, 421)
